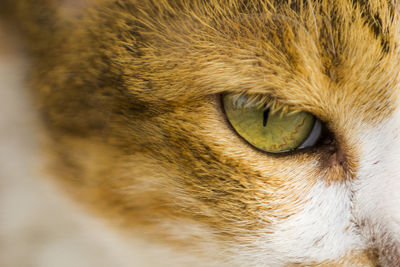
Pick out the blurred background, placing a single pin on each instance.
(39, 227)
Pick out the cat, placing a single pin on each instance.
(156, 114)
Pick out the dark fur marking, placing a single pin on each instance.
(374, 21)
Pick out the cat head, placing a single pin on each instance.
(132, 97)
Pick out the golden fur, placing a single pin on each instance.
(129, 96)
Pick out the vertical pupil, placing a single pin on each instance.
(265, 119)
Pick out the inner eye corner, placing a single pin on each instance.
(327, 136)
(317, 138)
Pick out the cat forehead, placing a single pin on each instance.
(313, 56)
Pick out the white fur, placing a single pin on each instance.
(377, 190)
(322, 230)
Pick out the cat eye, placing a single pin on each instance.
(270, 130)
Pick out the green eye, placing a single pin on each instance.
(271, 132)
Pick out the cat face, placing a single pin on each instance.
(131, 97)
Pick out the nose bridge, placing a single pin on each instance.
(378, 178)
(377, 187)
